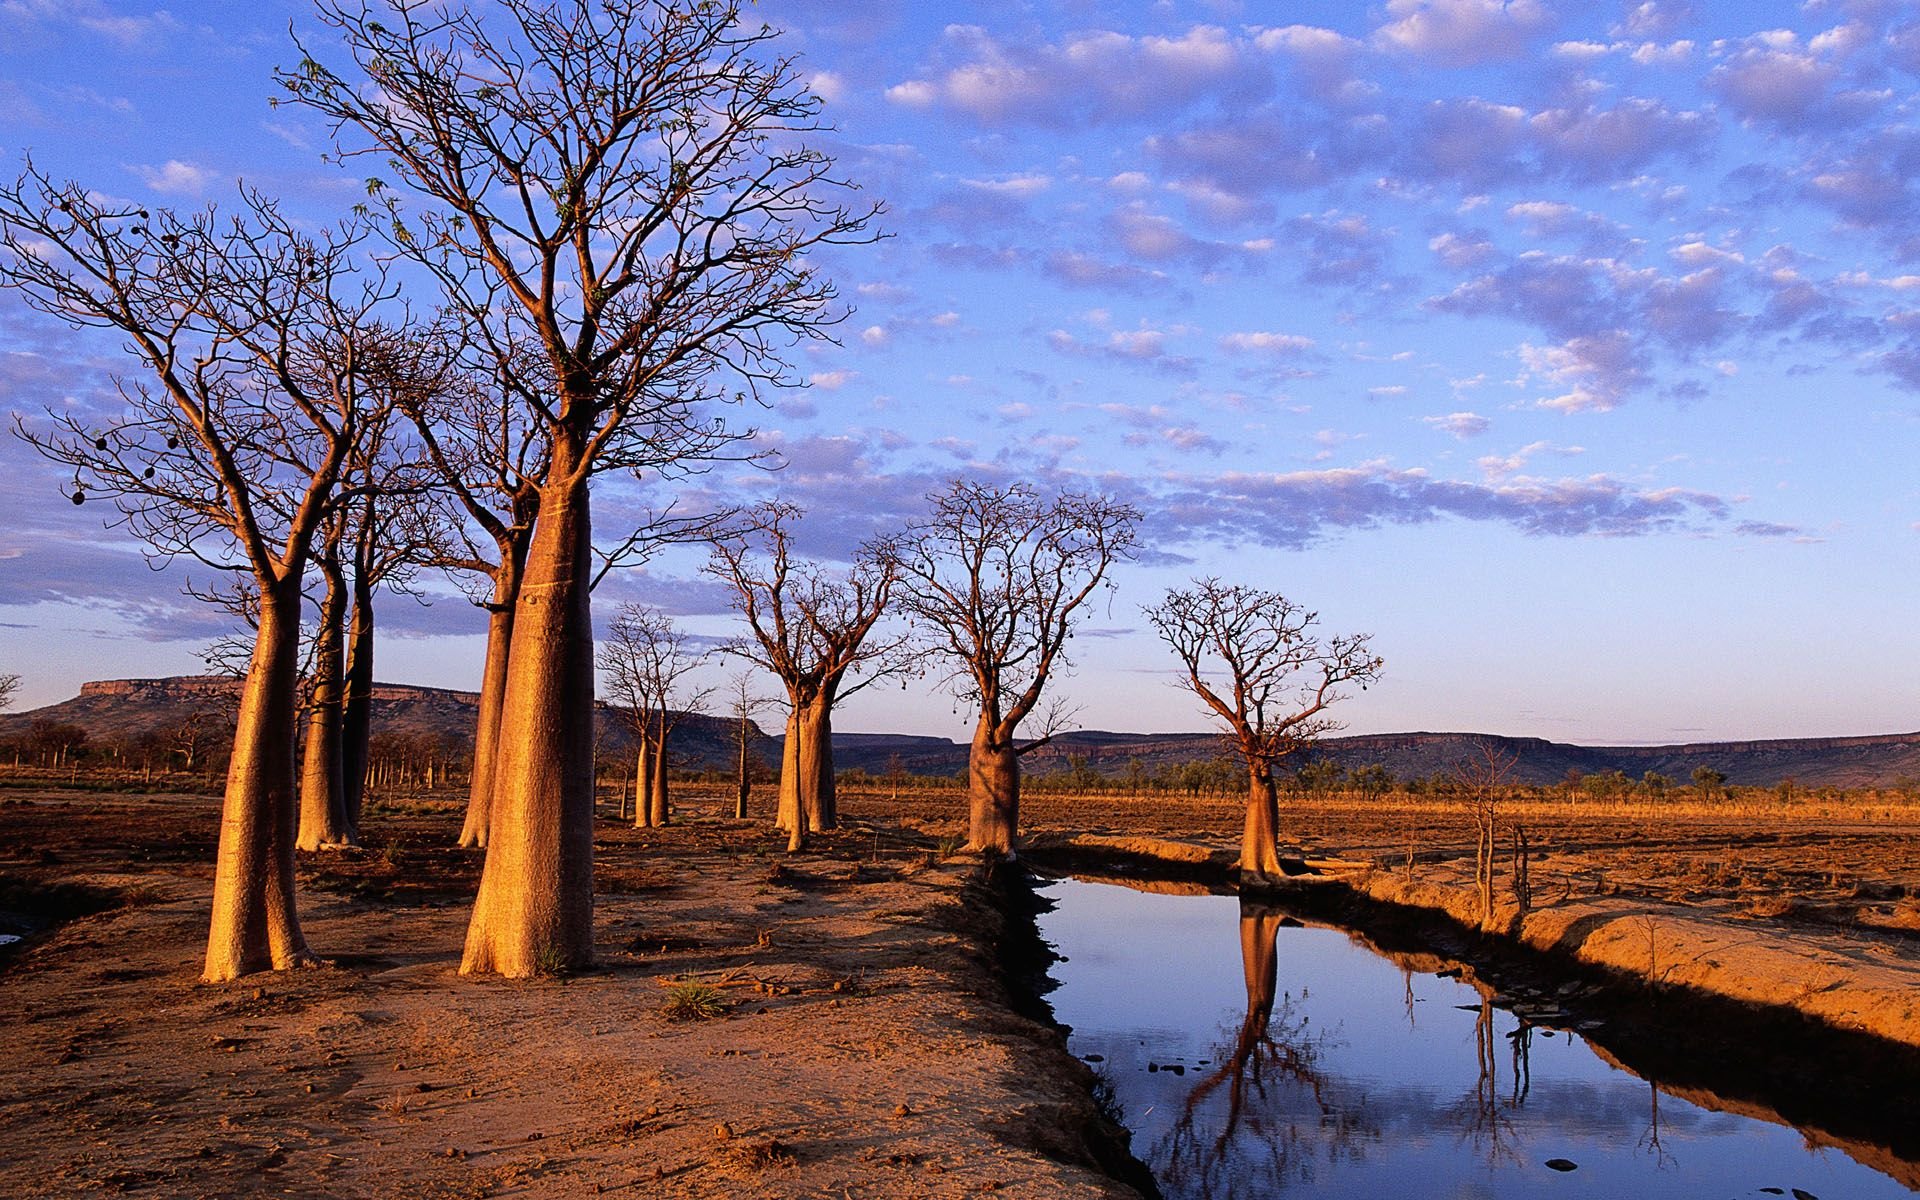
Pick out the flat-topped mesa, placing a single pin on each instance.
(219, 685)
(173, 685)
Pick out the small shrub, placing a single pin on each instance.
(950, 846)
(691, 1001)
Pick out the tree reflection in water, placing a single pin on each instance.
(1479, 1113)
(1269, 1113)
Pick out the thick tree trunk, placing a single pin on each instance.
(993, 792)
(255, 924)
(743, 784)
(818, 799)
(1260, 836)
(356, 729)
(659, 799)
(323, 795)
(493, 697)
(534, 911)
(643, 784)
(787, 814)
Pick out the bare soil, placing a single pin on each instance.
(867, 1048)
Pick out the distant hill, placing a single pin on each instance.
(1876, 761)
(125, 709)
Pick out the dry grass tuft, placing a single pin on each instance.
(694, 1001)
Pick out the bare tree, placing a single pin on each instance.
(230, 451)
(742, 705)
(490, 453)
(9, 684)
(380, 532)
(1256, 660)
(624, 187)
(323, 794)
(398, 520)
(647, 660)
(998, 576)
(489, 449)
(813, 631)
(1481, 778)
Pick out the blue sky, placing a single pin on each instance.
(1572, 350)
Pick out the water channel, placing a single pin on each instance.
(1253, 1055)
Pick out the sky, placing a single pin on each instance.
(1570, 350)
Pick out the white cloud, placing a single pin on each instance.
(1462, 425)
(827, 85)
(915, 93)
(174, 178)
(1264, 342)
(1462, 33)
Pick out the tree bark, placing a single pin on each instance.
(356, 730)
(818, 798)
(534, 911)
(493, 696)
(643, 784)
(255, 923)
(787, 814)
(1260, 836)
(323, 797)
(993, 792)
(658, 798)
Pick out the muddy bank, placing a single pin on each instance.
(869, 1044)
(1773, 1024)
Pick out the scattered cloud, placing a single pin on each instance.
(1463, 33)
(174, 178)
(1462, 425)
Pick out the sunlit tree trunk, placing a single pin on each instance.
(790, 811)
(534, 911)
(255, 925)
(818, 799)
(1260, 836)
(323, 798)
(356, 732)
(643, 783)
(659, 799)
(993, 791)
(493, 695)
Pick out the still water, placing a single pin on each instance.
(1252, 1056)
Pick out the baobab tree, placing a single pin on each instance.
(485, 442)
(489, 451)
(814, 631)
(1257, 661)
(398, 520)
(229, 449)
(627, 189)
(647, 661)
(997, 578)
(323, 784)
(380, 533)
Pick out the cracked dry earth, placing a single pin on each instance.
(868, 1050)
